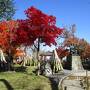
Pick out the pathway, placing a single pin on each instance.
(61, 79)
(72, 85)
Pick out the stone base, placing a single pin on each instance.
(76, 63)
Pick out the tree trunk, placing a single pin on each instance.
(38, 49)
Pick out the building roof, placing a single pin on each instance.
(46, 54)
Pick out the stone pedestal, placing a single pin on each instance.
(76, 63)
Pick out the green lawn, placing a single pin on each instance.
(23, 81)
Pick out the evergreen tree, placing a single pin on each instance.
(7, 9)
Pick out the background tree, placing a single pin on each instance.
(7, 9)
(75, 45)
(68, 31)
(7, 33)
(62, 52)
(7, 37)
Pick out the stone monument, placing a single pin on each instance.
(75, 59)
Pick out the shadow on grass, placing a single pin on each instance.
(54, 83)
(20, 69)
(8, 86)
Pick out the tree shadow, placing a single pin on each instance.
(20, 69)
(8, 86)
(54, 83)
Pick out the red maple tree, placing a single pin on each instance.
(38, 26)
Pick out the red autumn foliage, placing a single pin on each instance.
(87, 51)
(19, 52)
(37, 26)
(71, 41)
(24, 32)
(62, 52)
(7, 33)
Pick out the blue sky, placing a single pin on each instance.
(67, 12)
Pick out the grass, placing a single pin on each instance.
(25, 80)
